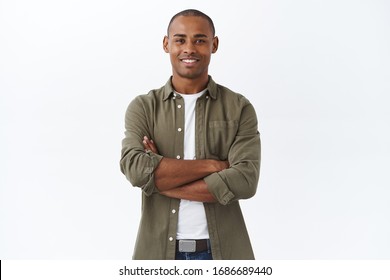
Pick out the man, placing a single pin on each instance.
(193, 148)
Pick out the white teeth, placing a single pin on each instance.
(189, 60)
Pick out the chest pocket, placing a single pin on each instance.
(221, 135)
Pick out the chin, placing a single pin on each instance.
(189, 75)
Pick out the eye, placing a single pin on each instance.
(199, 41)
(180, 41)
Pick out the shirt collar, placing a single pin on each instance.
(211, 89)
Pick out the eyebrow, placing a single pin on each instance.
(195, 36)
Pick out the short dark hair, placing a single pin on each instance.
(194, 13)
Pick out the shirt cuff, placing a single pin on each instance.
(218, 188)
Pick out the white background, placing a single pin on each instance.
(317, 73)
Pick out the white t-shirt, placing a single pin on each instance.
(192, 222)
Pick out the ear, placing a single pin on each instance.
(165, 44)
(215, 44)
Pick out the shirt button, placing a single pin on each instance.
(171, 238)
(207, 97)
(179, 106)
(178, 157)
(179, 129)
(173, 97)
(173, 211)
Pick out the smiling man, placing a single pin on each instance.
(193, 148)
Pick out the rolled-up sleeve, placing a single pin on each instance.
(240, 180)
(137, 165)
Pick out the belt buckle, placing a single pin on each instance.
(187, 246)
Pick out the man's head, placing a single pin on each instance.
(194, 13)
(190, 42)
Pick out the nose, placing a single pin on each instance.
(189, 48)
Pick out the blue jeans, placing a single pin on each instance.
(205, 255)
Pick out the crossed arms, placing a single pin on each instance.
(184, 179)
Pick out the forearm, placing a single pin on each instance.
(173, 173)
(194, 191)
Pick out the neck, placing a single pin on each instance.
(189, 86)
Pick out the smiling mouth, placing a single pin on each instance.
(189, 60)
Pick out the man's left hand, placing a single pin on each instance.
(149, 145)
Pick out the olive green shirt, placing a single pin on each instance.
(226, 129)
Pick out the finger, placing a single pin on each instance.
(153, 147)
(146, 144)
(146, 141)
(149, 145)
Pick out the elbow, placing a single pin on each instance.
(248, 185)
(124, 167)
(138, 166)
(142, 181)
(130, 176)
(249, 192)
(246, 190)
(252, 185)
(128, 168)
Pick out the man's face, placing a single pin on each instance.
(190, 43)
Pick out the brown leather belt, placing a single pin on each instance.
(190, 246)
